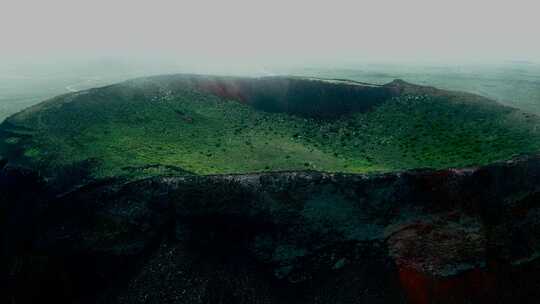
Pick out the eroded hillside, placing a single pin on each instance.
(449, 236)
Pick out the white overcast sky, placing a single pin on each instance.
(238, 31)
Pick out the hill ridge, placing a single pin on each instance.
(213, 124)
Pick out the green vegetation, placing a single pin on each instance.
(120, 130)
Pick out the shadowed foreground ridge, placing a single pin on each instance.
(421, 236)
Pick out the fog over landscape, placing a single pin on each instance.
(277, 152)
(245, 32)
(51, 47)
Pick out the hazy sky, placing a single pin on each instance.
(287, 31)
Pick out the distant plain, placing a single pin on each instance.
(516, 84)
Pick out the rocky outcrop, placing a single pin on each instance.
(450, 236)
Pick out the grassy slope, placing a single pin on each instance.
(121, 131)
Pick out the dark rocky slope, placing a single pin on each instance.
(298, 96)
(450, 236)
